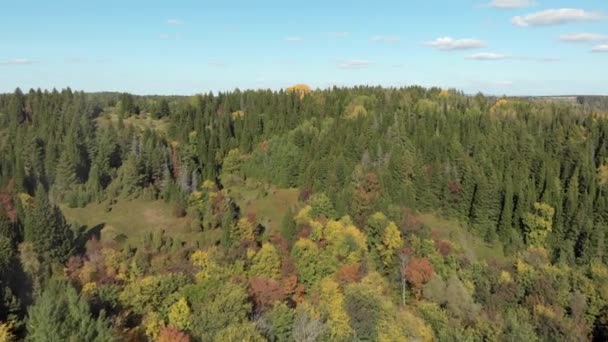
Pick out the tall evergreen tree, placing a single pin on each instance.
(59, 314)
(46, 227)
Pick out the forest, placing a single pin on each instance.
(340, 214)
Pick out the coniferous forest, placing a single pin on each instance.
(344, 214)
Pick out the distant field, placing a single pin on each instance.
(142, 122)
(134, 219)
(473, 247)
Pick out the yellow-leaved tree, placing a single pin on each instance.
(179, 315)
(391, 242)
(333, 311)
(266, 263)
(243, 231)
(539, 224)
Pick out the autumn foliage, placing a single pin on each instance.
(350, 273)
(265, 292)
(172, 334)
(418, 272)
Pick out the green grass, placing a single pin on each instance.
(141, 122)
(134, 219)
(269, 203)
(475, 248)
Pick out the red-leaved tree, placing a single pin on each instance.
(418, 272)
(172, 334)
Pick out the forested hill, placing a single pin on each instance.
(352, 259)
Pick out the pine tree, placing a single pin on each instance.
(47, 229)
(505, 226)
(163, 109)
(65, 174)
(288, 227)
(401, 167)
(130, 176)
(59, 314)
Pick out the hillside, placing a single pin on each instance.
(366, 213)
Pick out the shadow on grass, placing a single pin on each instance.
(84, 234)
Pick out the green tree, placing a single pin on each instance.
(245, 332)
(7, 253)
(65, 174)
(163, 109)
(126, 105)
(59, 314)
(216, 305)
(321, 206)
(278, 323)
(46, 227)
(233, 161)
(288, 226)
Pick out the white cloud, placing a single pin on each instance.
(386, 39)
(491, 56)
(294, 39)
(487, 56)
(600, 48)
(510, 4)
(556, 17)
(17, 61)
(449, 43)
(538, 59)
(175, 22)
(583, 37)
(354, 64)
(338, 34)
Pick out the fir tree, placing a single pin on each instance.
(47, 229)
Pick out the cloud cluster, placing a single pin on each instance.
(449, 43)
(587, 38)
(17, 61)
(487, 56)
(583, 37)
(510, 4)
(491, 56)
(352, 64)
(556, 17)
(600, 48)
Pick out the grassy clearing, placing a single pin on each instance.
(141, 122)
(134, 219)
(474, 248)
(269, 203)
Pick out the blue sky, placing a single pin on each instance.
(512, 47)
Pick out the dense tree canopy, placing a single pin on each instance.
(355, 257)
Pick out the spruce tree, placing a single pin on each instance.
(65, 174)
(288, 226)
(47, 229)
(60, 314)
